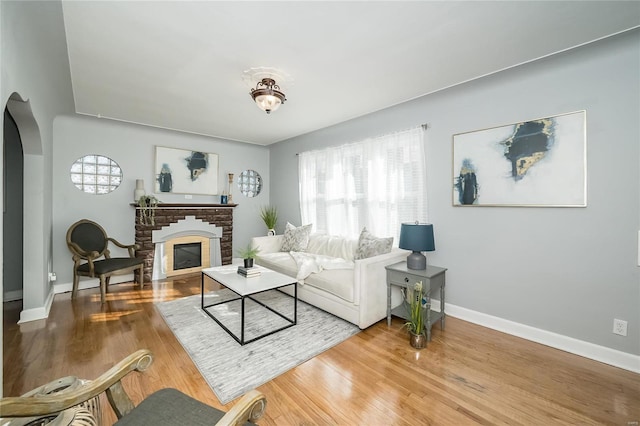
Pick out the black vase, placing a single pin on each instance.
(248, 263)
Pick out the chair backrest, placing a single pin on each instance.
(88, 235)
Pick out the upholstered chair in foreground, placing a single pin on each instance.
(78, 405)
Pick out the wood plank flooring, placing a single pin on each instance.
(467, 375)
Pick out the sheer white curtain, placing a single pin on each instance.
(378, 183)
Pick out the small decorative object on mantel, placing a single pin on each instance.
(248, 254)
(269, 215)
(147, 205)
(230, 196)
(139, 191)
(415, 323)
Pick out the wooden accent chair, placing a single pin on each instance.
(88, 243)
(166, 407)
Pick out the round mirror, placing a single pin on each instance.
(250, 183)
(96, 174)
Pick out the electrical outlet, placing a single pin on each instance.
(620, 327)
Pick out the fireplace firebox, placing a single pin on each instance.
(187, 256)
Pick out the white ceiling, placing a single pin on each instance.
(179, 65)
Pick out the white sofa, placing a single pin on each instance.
(357, 295)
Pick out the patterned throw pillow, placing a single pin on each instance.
(369, 245)
(295, 239)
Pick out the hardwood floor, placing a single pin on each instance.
(467, 374)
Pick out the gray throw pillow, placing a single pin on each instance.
(370, 245)
(296, 239)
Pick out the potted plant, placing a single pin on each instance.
(269, 215)
(415, 322)
(248, 254)
(148, 204)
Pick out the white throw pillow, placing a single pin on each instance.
(295, 239)
(370, 245)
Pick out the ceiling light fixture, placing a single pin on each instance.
(267, 95)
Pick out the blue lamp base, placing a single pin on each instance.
(416, 260)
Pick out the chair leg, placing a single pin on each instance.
(104, 281)
(141, 276)
(74, 291)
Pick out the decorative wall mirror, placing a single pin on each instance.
(96, 174)
(250, 183)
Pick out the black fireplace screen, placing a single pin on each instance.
(187, 256)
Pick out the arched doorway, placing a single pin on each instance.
(12, 217)
(34, 269)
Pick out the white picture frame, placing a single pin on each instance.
(536, 163)
(182, 171)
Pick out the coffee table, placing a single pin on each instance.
(246, 288)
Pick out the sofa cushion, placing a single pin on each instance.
(370, 245)
(338, 282)
(280, 262)
(171, 407)
(296, 239)
(330, 245)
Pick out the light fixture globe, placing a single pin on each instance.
(267, 95)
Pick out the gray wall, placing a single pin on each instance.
(35, 66)
(569, 271)
(133, 148)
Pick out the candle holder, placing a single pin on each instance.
(230, 195)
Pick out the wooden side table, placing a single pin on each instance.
(432, 278)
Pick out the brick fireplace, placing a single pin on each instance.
(200, 216)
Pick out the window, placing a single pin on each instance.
(96, 174)
(378, 183)
(250, 183)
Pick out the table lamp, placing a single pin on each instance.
(417, 237)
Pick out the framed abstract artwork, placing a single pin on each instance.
(537, 163)
(180, 171)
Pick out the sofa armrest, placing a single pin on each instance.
(370, 282)
(270, 244)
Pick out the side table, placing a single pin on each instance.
(432, 278)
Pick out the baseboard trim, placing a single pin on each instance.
(592, 351)
(12, 295)
(43, 312)
(39, 313)
(90, 283)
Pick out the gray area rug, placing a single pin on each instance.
(232, 370)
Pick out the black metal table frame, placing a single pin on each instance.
(241, 340)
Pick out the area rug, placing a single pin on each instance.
(231, 369)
